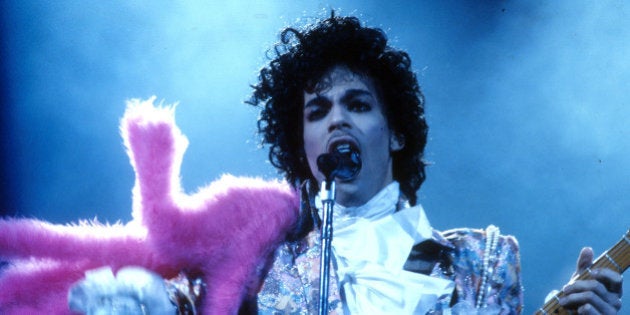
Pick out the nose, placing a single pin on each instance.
(338, 118)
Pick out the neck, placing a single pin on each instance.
(355, 195)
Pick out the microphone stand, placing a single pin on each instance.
(343, 166)
(327, 194)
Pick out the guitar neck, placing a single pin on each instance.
(617, 258)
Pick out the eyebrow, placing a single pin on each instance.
(316, 100)
(352, 93)
(349, 95)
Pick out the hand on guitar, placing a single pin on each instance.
(600, 294)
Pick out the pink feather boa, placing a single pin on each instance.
(226, 231)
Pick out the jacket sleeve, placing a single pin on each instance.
(502, 291)
(506, 288)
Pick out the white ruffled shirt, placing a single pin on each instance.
(371, 244)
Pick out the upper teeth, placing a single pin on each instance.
(343, 148)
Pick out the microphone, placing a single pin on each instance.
(327, 164)
(343, 165)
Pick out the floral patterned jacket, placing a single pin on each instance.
(486, 281)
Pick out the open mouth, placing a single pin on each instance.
(347, 157)
(343, 147)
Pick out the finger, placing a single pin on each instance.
(592, 292)
(612, 280)
(595, 286)
(585, 260)
(587, 309)
(590, 285)
(587, 302)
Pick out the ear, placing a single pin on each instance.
(396, 142)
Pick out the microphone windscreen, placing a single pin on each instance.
(327, 164)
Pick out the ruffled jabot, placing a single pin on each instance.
(371, 244)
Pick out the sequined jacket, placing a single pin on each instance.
(292, 284)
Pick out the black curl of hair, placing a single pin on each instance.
(301, 59)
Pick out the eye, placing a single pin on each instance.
(314, 112)
(359, 106)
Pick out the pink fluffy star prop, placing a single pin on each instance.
(226, 232)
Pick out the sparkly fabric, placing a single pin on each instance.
(292, 284)
(505, 295)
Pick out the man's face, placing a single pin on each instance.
(346, 110)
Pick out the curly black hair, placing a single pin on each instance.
(300, 60)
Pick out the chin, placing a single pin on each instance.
(348, 194)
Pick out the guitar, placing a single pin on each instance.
(616, 258)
